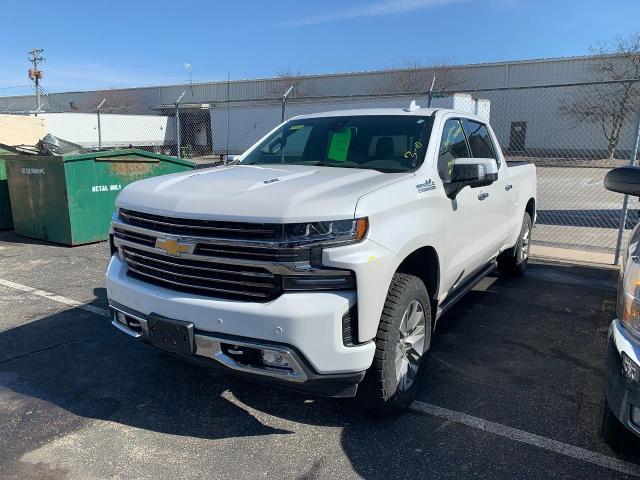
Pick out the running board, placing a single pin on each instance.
(463, 289)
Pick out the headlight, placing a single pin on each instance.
(629, 306)
(336, 231)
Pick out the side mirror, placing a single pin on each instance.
(472, 172)
(623, 180)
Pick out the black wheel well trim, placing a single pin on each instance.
(531, 209)
(424, 263)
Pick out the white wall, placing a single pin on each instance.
(117, 130)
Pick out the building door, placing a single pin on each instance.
(518, 136)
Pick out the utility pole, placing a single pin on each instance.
(35, 74)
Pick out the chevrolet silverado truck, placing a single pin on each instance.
(324, 256)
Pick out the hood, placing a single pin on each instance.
(267, 193)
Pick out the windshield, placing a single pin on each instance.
(388, 143)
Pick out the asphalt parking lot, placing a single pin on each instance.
(513, 390)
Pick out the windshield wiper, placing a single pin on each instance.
(326, 164)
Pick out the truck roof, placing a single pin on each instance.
(371, 111)
(420, 112)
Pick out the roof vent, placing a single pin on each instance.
(412, 107)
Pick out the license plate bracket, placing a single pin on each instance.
(175, 336)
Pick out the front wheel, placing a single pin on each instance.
(404, 336)
(515, 260)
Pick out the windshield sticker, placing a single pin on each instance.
(339, 147)
(426, 186)
(296, 127)
(413, 154)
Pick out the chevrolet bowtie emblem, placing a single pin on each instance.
(173, 247)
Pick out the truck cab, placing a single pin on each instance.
(323, 259)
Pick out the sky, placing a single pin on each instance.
(117, 43)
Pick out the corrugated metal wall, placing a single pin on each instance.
(510, 74)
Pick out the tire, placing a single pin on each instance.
(391, 382)
(611, 429)
(514, 261)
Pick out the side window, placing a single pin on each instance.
(480, 140)
(452, 145)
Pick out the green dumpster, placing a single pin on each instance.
(70, 199)
(6, 222)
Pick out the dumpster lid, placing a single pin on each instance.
(114, 154)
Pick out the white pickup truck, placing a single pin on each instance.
(323, 259)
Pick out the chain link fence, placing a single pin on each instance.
(573, 133)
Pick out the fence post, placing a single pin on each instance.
(99, 124)
(430, 96)
(284, 101)
(625, 202)
(178, 139)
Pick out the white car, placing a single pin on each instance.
(324, 258)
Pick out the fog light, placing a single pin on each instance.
(630, 368)
(635, 415)
(273, 358)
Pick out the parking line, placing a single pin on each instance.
(529, 438)
(54, 297)
(450, 415)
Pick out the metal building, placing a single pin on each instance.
(523, 119)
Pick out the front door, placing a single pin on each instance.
(465, 216)
(495, 198)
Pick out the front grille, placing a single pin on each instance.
(242, 249)
(253, 253)
(237, 282)
(135, 237)
(204, 228)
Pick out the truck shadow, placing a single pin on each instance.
(72, 367)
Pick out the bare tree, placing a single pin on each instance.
(610, 105)
(286, 78)
(413, 76)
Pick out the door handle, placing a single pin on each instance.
(483, 195)
(508, 187)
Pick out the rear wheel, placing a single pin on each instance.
(404, 336)
(515, 260)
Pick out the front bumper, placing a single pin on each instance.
(210, 352)
(622, 393)
(309, 323)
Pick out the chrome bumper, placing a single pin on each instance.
(210, 346)
(623, 393)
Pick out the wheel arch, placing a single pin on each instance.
(424, 263)
(531, 209)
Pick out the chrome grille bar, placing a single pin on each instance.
(208, 268)
(200, 287)
(137, 265)
(207, 228)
